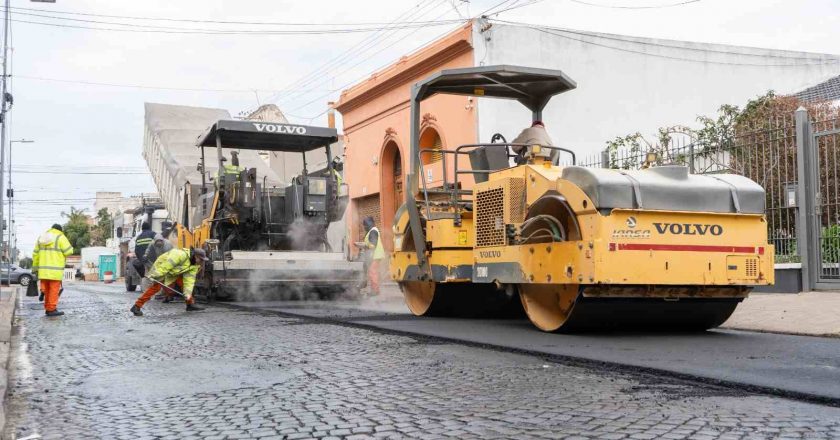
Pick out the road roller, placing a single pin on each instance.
(576, 248)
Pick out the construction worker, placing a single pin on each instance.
(141, 243)
(376, 252)
(231, 170)
(159, 247)
(48, 257)
(534, 135)
(176, 266)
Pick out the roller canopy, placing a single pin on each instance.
(533, 87)
(270, 136)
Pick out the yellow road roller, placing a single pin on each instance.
(579, 248)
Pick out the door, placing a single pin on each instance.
(399, 196)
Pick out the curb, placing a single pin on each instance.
(8, 305)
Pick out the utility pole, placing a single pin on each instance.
(3, 102)
(10, 193)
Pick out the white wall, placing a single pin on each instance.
(628, 84)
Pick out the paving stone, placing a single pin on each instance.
(331, 381)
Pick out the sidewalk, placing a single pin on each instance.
(812, 313)
(8, 299)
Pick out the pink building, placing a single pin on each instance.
(376, 130)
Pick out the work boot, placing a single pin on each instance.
(41, 297)
(54, 313)
(136, 310)
(194, 308)
(167, 300)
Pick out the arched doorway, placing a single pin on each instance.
(392, 188)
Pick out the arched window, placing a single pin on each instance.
(430, 139)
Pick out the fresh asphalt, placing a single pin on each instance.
(800, 367)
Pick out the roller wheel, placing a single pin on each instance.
(464, 300)
(561, 308)
(420, 297)
(548, 306)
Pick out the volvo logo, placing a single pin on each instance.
(631, 222)
(280, 128)
(688, 228)
(490, 254)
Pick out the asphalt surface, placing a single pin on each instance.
(99, 372)
(799, 366)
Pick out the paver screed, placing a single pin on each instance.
(99, 372)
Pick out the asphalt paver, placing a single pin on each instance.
(99, 372)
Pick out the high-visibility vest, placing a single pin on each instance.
(338, 179)
(50, 253)
(378, 250)
(173, 264)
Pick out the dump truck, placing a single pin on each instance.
(261, 236)
(150, 210)
(577, 248)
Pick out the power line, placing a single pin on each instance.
(141, 86)
(359, 48)
(232, 32)
(634, 7)
(485, 12)
(544, 30)
(645, 43)
(362, 76)
(188, 20)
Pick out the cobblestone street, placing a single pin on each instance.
(99, 372)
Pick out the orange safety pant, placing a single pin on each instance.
(155, 288)
(50, 288)
(373, 276)
(169, 292)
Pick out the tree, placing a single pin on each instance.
(77, 229)
(101, 231)
(25, 263)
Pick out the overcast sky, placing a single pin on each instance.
(77, 126)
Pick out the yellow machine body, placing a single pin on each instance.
(574, 247)
(625, 253)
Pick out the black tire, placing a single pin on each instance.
(24, 280)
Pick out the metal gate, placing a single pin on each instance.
(818, 194)
(824, 211)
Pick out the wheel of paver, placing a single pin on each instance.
(548, 306)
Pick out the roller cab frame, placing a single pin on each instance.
(578, 248)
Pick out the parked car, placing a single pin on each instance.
(18, 275)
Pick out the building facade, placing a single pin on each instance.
(624, 85)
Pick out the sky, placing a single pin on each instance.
(79, 93)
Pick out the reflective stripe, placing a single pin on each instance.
(67, 249)
(145, 241)
(50, 267)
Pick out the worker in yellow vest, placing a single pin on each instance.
(178, 266)
(48, 258)
(373, 244)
